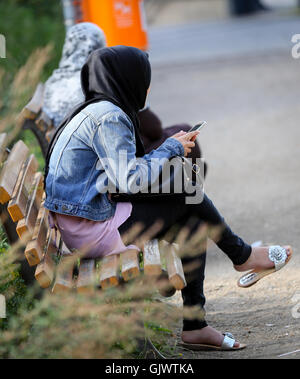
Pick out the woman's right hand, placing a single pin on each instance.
(187, 140)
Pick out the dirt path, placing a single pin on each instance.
(252, 146)
(261, 317)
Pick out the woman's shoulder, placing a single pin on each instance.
(105, 110)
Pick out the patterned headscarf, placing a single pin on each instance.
(63, 89)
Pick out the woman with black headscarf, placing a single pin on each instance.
(97, 151)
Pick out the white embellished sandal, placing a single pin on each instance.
(278, 255)
(227, 345)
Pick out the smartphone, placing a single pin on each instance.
(198, 126)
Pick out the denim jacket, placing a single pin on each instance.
(86, 157)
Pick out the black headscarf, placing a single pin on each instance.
(120, 75)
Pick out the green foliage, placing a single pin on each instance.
(11, 283)
(13, 95)
(76, 326)
(3, 242)
(27, 25)
(40, 7)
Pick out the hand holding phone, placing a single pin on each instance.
(198, 126)
(187, 140)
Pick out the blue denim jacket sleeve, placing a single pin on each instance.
(116, 136)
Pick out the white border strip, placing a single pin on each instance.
(292, 352)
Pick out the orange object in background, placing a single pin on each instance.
(123, 21)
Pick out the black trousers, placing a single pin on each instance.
(177, 213)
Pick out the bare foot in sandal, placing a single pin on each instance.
(206, 336)
(259, 259)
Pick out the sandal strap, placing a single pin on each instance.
(247, 278)
(278, 255)
(228, 342)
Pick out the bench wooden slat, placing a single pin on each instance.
(86, 276)
(11, 169)
(109, 271)
(23, 191)
(23, 186)
(3, 145)
(26, 225)
(50, 134)
(130, 264)
(44, 123)
(35, 248)
(19, 180)
(32, 109)
(64, 275)
(152, 261)
(44, 272)
(174, 266)
(22, 229)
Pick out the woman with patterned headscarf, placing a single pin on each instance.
(63, 89)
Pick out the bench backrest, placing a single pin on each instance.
(36, 120)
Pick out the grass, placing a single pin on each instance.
(11, 283)
(25, 26)
(28, 25)
(107, 324)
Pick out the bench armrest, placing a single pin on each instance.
(33, 108)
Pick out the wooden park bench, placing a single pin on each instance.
(21, 190)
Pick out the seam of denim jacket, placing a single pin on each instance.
(114, 116)
(92, 117)
(98, 124)
(77, 136)
(87, 186)
(82, 211)
(61, 153)
(120, 113)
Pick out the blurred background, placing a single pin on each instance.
(27, 24)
